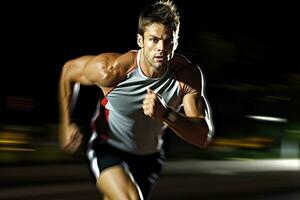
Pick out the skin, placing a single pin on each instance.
(105, 70)
(157, 48)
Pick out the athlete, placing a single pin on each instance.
(144, 91)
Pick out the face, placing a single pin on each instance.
(158, 45)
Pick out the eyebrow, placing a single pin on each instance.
(153, 36)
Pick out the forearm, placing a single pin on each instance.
(70, 75)
(65, 93)
(67, 130)
(193, 130)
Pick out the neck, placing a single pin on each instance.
(153, 72)
(149, 70)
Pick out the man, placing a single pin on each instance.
(143, 91)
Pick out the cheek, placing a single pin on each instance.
(149, 45)
(149, 48)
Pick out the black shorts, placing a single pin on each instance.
(145, 169)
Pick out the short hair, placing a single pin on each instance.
(162, 11)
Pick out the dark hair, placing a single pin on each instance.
(163, 11)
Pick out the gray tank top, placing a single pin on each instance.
(127, 127)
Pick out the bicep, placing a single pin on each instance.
(74, 70)
(194, 105)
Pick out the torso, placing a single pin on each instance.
(127, 127)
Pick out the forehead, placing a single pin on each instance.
(158, 30)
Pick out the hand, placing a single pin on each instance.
(154, 106)
(71, 138)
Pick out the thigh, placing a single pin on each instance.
(111, 172)
(146, 171)
(116, 183)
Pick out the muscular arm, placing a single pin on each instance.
(103, 70)
(86, 70)
(195, 126)
(72, 72)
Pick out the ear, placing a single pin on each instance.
(140, 40)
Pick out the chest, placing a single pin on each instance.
(127, 97)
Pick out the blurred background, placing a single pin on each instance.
(248, 52)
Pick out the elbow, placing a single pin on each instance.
(66, 66)
(206, 140)
(209, 133)
(64, 71)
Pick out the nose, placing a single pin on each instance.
(160, 45)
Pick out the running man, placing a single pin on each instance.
(143, 92)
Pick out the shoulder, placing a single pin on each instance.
(112, 60)
(186, 71)
(107, 68)
(181, 64)
(125, 62)
(79, 62)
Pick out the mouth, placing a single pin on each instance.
(159, 58)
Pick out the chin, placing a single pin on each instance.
(158, 65)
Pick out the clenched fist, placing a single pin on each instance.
(154, 106)
(70, 138)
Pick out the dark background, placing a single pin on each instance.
(244, 46)
(248, 51)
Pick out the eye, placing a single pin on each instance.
(154, 40)
(170, 41)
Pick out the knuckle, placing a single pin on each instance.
(144, 107)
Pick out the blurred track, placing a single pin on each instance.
(188, 180)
